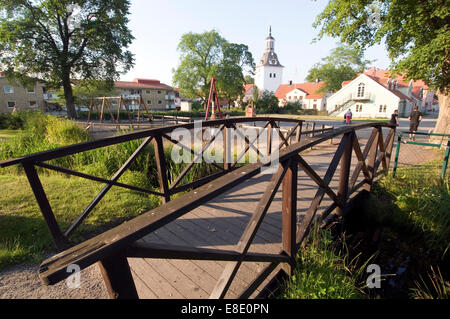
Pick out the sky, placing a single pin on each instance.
(158, 26)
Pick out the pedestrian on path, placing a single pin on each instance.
(348, 117)
(414, 120)
(394, 118)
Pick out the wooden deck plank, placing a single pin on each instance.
(219, 224)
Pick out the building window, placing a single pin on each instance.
(149, 102)
(159, 92)
(30, 90)
(159, 102)
(10, 104)
(274, 75)
(32, 104)
(301, 98)
(383, 108)
(361, 89)
(315, 106)
(270, 75)
(148, 91)
(8, 89)
(358, 108)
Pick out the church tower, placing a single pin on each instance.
(269, 71)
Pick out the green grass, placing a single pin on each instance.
(324, 271)
(23, 232)
(8, 134)
(415, 202)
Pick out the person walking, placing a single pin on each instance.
(348, 117)
(394, 118)
(414, 120)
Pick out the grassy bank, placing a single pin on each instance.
(403, 226)
(23, 232)
(324, 271)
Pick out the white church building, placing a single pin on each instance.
(269, 71)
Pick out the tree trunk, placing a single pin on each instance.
(70, 100)
(443, 123)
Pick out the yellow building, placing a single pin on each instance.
(24, 98)
(156, 95)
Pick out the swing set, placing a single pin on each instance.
(122, 103)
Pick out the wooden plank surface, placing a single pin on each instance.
(219, 224)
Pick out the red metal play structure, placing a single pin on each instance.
(213, 101)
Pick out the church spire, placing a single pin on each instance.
(270, 31)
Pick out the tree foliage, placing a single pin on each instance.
(58, 40)
(416, 34)
(343, 64)
(206, 55)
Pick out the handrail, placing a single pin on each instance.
(87, 146)
(112, 248)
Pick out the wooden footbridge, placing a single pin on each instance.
(228, 234)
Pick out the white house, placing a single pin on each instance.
(269, 71)
(370, 96)
(305, 93)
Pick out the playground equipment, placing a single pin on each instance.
(213, 100)
(121, 104)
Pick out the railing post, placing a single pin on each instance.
(446, 157)
(60, 241)
(118, 279)
(344, 172)
(298, 134)
(161, 167)
(269, 139)
(289, 211)
(228, 144)
(397, 153)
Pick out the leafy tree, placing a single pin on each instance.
(249, 79)
(58, 40)
(206, 55)
(267, 103)
(416, 34)
(343, 64)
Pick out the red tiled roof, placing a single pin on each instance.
(142, 84)
(384, 74)
(346, 82)
(383, 82)
(247, 87)
(309, 88)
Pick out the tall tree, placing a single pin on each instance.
(416, 33)
(206, 55)
(59, 40)
(344, 63)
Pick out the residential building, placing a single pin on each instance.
(372, 94)
(156, 95)
(34, 97)
(269, 71)
(419, 91)
(305, 93)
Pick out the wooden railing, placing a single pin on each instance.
(112, 248)
(157, 137)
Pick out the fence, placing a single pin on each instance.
(424, 155)
(112, 248)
